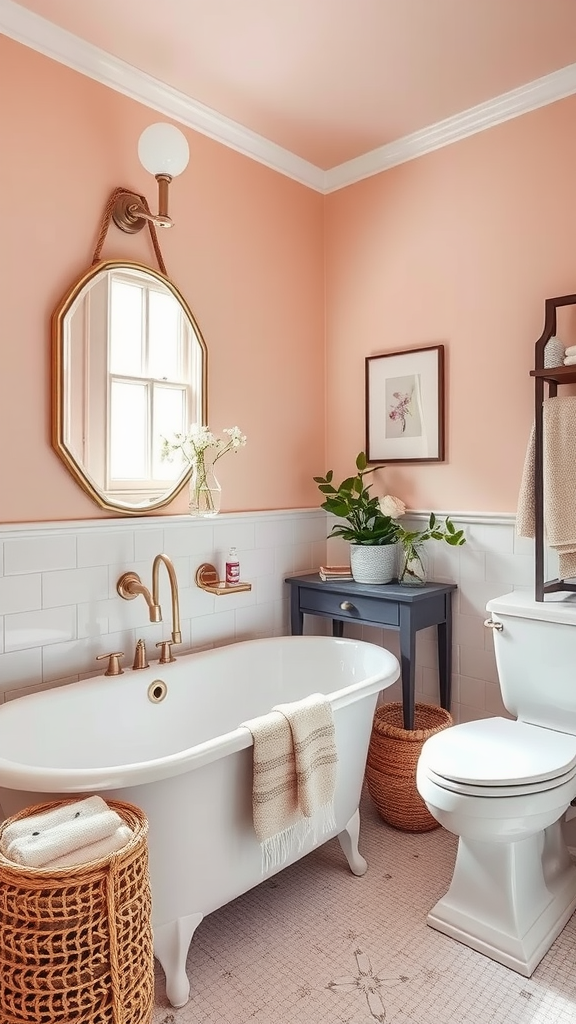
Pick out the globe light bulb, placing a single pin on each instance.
(163, 149)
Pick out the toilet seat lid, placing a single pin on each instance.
(499, 752)
(479, 790)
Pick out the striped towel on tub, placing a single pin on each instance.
(294, 776)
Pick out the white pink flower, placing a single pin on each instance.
(391, 506)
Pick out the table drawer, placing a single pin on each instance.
(340, 606)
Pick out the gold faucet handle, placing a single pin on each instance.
(114, 668)
(140, 659)
(166, 655)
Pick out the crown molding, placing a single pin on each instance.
(42, 35)
(60, 45)
(539, 93)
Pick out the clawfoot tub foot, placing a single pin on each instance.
(348, 840)
(171, 944)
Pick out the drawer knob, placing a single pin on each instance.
(346, 606)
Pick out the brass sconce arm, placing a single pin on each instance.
(130, 214)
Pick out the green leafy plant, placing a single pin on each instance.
(366, 523)
(412, 568)
(436, 530)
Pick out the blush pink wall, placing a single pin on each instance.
(246, 252)
(459, 248)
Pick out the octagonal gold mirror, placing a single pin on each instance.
(129, 368)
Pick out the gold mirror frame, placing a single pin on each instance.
(59, 385)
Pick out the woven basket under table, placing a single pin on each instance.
(76, 943)
(393, 754)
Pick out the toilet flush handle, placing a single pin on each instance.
(492, 624)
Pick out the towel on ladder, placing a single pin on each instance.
(559, 479)
(294, 776)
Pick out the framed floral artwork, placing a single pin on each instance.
(405, 406)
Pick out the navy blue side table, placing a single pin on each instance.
(389, 605)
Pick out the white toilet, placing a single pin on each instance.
(503, 786)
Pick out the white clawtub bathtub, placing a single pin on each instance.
(186, 761)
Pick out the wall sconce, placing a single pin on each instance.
(163, 151)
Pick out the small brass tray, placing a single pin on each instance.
(207, 579)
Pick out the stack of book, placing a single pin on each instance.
(335, 572)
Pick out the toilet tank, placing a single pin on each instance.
(536, 657)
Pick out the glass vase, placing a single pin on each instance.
(205, 491)
(412, 571)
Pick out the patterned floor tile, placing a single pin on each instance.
(316, 945)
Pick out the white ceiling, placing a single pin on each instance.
(324, 82)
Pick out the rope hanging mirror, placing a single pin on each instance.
(129, 361)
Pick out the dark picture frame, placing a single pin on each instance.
(405, 405)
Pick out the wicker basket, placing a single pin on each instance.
(391, 766)
(76, 943)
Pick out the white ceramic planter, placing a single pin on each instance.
(373, 563)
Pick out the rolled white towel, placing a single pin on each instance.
(36, 850)
(94, 851)
(49, 819)
(570, 351)
(570, 360)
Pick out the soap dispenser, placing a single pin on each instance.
(232, 567)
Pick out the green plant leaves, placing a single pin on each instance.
(351, 501)
(367, 535)
(436, 530)
(365, 523)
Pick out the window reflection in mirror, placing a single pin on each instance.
(130, 368)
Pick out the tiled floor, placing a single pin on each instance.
(315, 945)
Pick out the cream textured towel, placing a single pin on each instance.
(46, 845)
(94, 851)
(275, 812)
(85, 808)
(312, 728)
(525, 522)
(294, 776)
(559, 481)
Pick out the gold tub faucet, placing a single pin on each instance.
(130, 586)
(176, 634)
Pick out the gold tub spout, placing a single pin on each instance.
(176, 634)
(130, 586)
